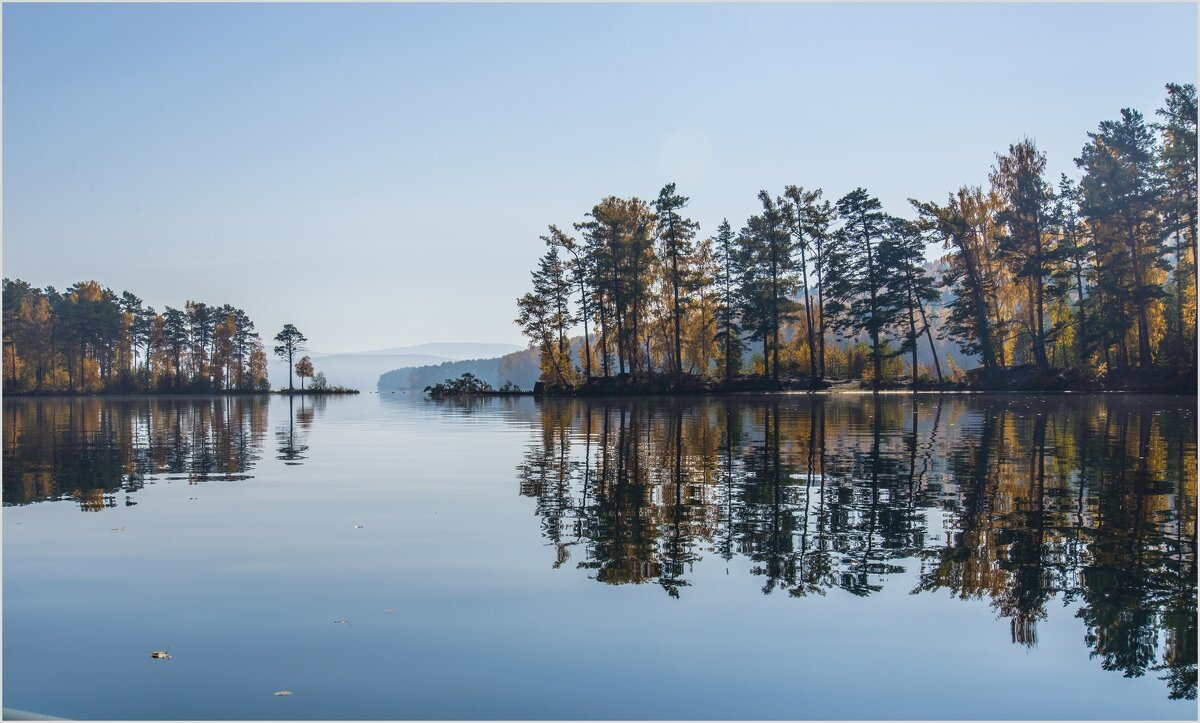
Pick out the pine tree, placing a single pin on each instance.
(902, 254)
(858, 299)
(729, 333)
(971, 321)
(1025, 243)
(578, 269)
(811, 220)
(289, 341)
(1120, 195)
(1074, 255)
(544, 316)
(1177, 161)
(769, 278)
(675, 234)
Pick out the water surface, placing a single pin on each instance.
(754, 557)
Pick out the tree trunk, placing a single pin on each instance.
(1180, 353)
(929, 335)
(812, 350)
(775, 321)
(912, 336)
(820, 311)
(1143, 323)
(876, 359)
(587, 349)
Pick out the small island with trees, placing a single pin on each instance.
(289, 342)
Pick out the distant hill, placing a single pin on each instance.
(452, 350)
(520, 367)
(361, 370)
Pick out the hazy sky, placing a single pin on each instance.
(379, 175)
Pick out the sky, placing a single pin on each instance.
(379, 174)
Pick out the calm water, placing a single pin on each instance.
(788, 557)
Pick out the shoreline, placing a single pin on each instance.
(178, 393)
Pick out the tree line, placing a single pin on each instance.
(1095, 275)
(90, 339)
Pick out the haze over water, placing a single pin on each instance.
(982, 556)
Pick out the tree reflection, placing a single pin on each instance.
(1027, 503)
(290, 445)
(89, 450)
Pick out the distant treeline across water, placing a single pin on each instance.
(90, 339)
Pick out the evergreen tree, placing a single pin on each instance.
(578, 270)
(1120, 195)
(175, 340)
(769, 278)
(289, 341)
(675, 234)
(902, 255)
(811, 220)
(1177, 161)
(1074, 254)
(1025, 243)
(857, 280)
(729, 333)
(544, 316)
(971, 322)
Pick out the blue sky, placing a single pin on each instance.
(379, 175)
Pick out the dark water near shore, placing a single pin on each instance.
(982, 556)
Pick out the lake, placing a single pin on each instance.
(392, 557)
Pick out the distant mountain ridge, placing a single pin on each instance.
(361, 370)
(519, 367)
(453, 350)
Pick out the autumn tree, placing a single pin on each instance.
(972, 322)
(91, 339)
(304, 369)
(1025, 242)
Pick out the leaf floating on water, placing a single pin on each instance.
(283, 692)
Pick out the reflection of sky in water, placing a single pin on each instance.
(418, 507)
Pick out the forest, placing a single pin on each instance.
(1051, 281)
(89, 339)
